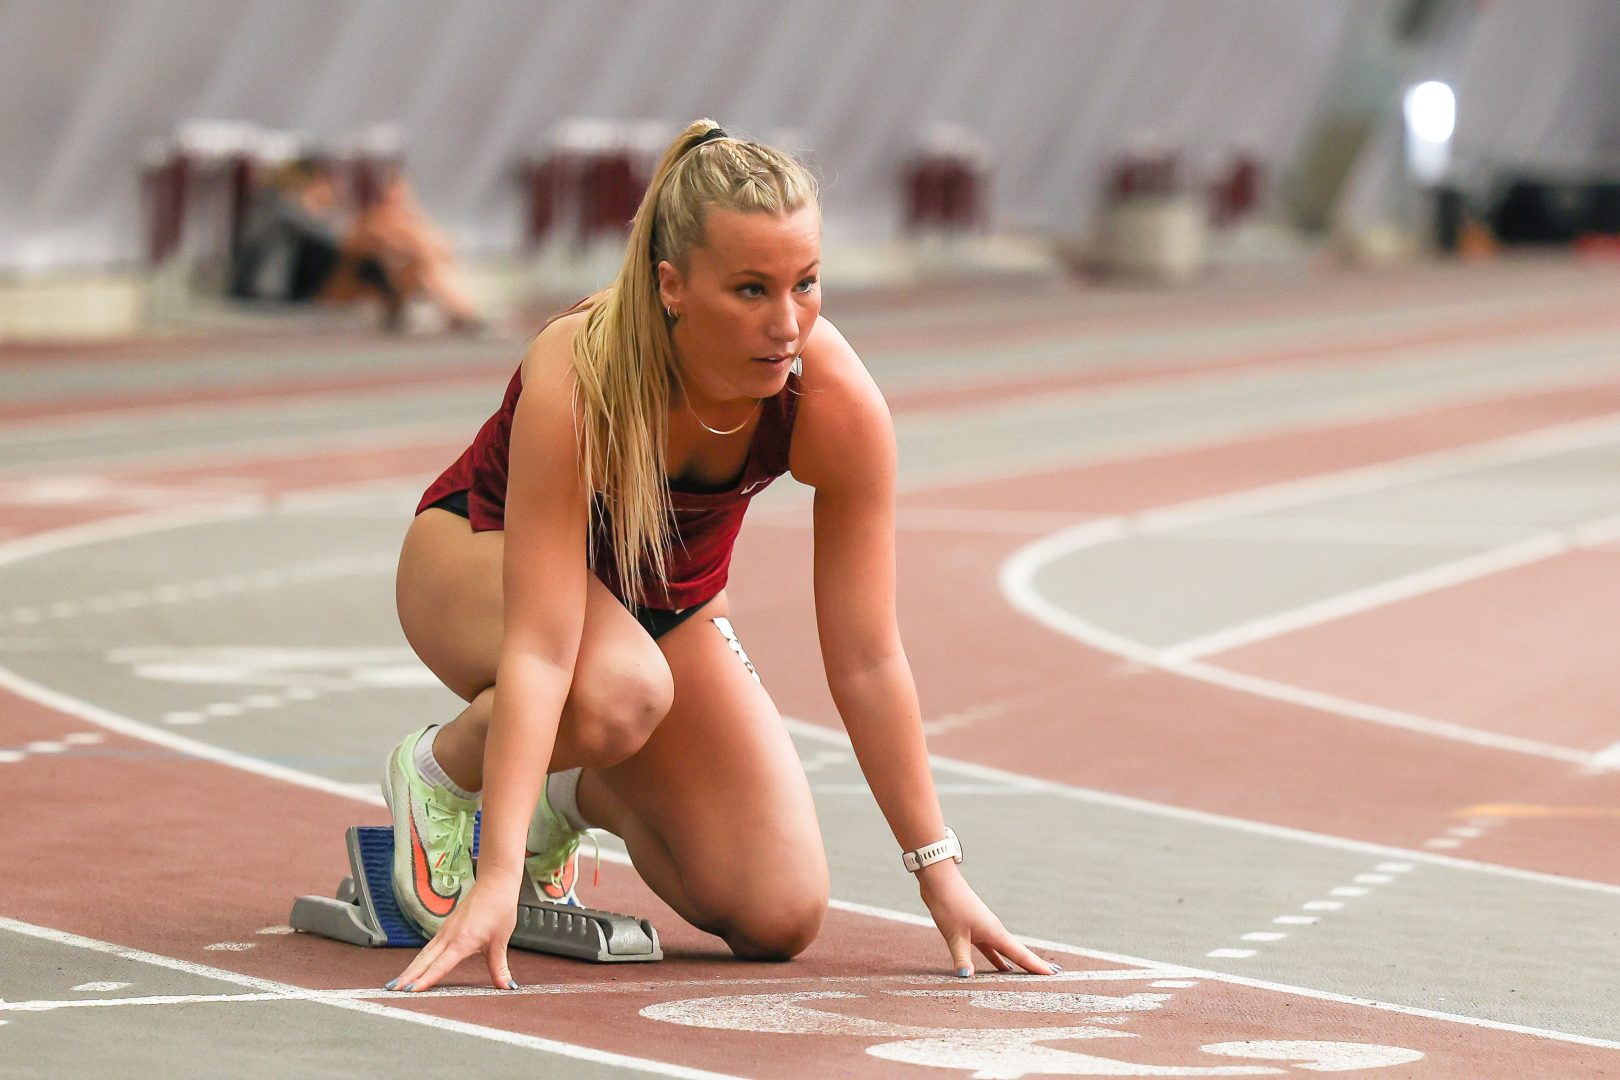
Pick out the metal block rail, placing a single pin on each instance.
(364, 912)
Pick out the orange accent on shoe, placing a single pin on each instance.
(558, 889)
(432, 899)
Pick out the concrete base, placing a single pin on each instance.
(84, 306)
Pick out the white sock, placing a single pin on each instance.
(562, 792)
(430, 770)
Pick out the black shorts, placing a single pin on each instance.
(656, 621)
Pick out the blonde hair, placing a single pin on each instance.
(624, 354)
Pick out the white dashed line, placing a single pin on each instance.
(100, 987)
(229, 946)
(1383, 874)
(45, 747)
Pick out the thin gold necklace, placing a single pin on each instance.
(713, 431)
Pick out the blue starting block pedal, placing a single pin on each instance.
(364, 912)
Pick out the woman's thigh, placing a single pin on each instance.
(721, 787)
(450, 606)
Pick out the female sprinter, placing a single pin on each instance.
(566, 577)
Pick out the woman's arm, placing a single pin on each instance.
(844, 447)
(543, 593)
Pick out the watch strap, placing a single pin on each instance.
(948, 848)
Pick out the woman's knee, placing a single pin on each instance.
(614, 709)
(778, 930)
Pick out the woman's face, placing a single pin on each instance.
(746, 301)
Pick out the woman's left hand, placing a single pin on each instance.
(967, 924)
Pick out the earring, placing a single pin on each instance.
(671, 313)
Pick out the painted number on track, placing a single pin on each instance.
(1003, 1053)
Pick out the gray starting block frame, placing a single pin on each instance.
(364, 912)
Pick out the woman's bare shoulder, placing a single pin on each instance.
(834, 376)
(549, 359)
(841, 415)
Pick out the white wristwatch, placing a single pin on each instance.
(948, 848)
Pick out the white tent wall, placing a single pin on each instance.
(1537, 89)
(1053, 88)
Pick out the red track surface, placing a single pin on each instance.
(164, 860)
(164, 835)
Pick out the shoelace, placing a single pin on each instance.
(555, 875)
(453, 830)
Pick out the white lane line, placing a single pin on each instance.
(255, 450)
(123, 725)
(989, 774)
(367, 794)
(1363, 532)
(1607, 758)
(1257, 984)
(174, 592)
(117, 528)
(1233, 954)
(1018, 574)
(280, 991)
(1406, 587)
(668, 986)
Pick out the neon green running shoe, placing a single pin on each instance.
(553, 854)
(433, 832)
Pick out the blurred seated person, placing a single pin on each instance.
(297, 246)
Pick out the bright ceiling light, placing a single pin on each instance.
(1431, 111)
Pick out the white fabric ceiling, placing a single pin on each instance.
(1053, 88)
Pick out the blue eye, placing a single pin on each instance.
(752, 290)
(807, 284)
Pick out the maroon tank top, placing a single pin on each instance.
(706, 522)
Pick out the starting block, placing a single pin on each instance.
(364, 912)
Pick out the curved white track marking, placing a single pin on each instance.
(1510, 557)
(1018, 573)
(288, 992)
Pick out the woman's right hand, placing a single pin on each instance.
(482, 922)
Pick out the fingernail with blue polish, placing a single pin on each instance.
(409, 987)
(391, 984)
(964, 972)
(511, 985)
(1055, 968)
